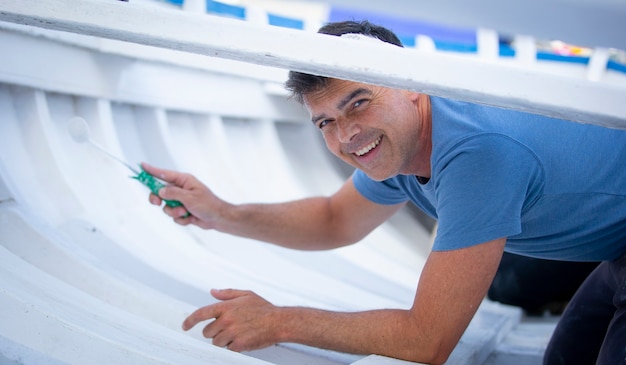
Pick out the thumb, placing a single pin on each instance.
(172, 192)
(227, 294)
(168, 176)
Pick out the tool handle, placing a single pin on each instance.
(155, 185)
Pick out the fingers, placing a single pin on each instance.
(201, 314)
(171, 192)
(223, 338)
(175, 191)
(227, 294)
(212, 311)
(241, 321)
(185, 220)
(217, 330)
(163, 174)
(173, 178)
(200, 206)
(154, 199)
(180, 214)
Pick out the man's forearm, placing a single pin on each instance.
(388, 332)
(428, 332)
(305, 224)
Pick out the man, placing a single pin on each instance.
(493, 178)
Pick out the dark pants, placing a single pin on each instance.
(537, 285)
(592, 329)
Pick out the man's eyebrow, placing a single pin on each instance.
(318, 117)
(351, 96)
(343, 102)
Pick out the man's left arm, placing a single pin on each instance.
(451, 287)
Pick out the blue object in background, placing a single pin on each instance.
(219, 8)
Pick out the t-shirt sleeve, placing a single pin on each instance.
(482, 188)
(384, 192)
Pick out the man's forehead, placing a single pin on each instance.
(334, 90)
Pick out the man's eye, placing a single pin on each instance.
(323, 123)
(358, 103)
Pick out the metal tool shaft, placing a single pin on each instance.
(134, 170)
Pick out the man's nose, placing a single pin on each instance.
(347, 130)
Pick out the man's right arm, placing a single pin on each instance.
(316, 223)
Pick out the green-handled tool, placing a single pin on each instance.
(79, 130)
(154, 185)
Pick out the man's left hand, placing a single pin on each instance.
(243, 321)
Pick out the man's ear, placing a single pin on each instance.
(413, 95)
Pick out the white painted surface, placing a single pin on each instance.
(88, 264)
(468, 78)
(98, 234)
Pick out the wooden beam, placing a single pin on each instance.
(484, 81)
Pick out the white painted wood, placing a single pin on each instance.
(488, 44)
(5, 194)
(70, 330)
(197, 6)
(382, 360)
(597, 64)
(130, 239)
(111, 74)
(26, 236)
(448, 75)
(60, 257)
(525, 50)
(110, 232)
(136, 244)
(23, 141)
(425, 43)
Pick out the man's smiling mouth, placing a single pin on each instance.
(368, 148)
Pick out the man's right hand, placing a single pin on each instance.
(198, 200)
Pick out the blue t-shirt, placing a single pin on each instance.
(556, 189)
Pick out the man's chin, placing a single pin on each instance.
(377, 175)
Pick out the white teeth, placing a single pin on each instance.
(368, 148)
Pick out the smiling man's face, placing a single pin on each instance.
(375, 129)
